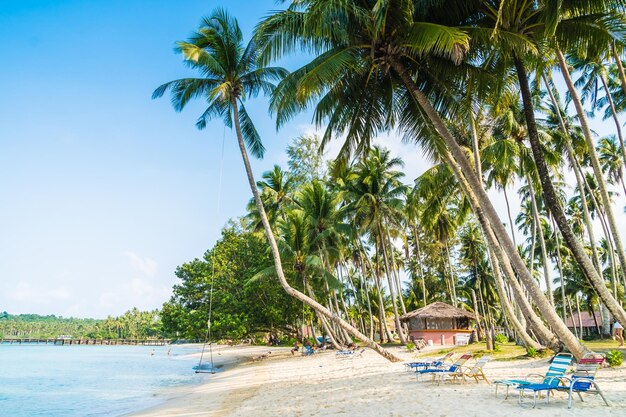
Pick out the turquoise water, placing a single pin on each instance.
(89, 381)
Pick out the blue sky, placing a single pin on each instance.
(103, 192)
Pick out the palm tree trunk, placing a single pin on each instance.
(508, 211)
(419, 264)
(527, 311)
(484, 206)
(579, 180)
(618, 127)
(452, 277)
(571, 314)
(595, 279)
(580, 317)
(277, 262)
(559, 264)
(364, 286)
(509, 313)
(620, 67)
(552, 201)
(392, 289)
(396, 273)
(542, 241)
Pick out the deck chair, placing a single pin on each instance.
(462, 373)
(308, 351)
(434, 363)
(583, 379)
(455, 367)
(349, 354)
(557, 368)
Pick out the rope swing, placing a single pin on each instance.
(208, 367)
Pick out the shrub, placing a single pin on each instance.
(531, 352)
(501, 338)
(614, 357)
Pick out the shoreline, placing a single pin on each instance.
(322, 385)
(212, 396)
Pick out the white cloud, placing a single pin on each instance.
(147, 266)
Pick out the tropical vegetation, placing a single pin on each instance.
(498, 94)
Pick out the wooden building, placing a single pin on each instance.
(439, 324)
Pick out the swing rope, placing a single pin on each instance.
(207, 338)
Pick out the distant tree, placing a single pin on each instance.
(306, 159)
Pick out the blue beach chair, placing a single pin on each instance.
(557, 369)
(582, 380)
(455, 367)
(435, 363)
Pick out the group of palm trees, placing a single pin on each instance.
(474, 84)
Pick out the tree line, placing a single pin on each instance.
(473, 84)
(133, 324)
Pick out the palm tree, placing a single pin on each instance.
(375, 193)
(535, 23)
(378, 64)
(232, 73)
(610, 160)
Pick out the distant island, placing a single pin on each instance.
(133, 324)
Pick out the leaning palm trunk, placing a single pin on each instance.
(594, 278)
(542, 241)
(484, 206)
(620, 67)
(579, 180)
(552, 201)
(509, 312)
(526, 309)
(618, 127)
(277, 262)
(493, 248)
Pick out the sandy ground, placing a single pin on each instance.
(322, 385)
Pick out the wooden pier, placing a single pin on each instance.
(55, 341)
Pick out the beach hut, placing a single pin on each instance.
(589, 324)
(439, 324)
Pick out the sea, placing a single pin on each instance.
(91, 380)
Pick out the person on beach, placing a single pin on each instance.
(296, 347)
(618, 333)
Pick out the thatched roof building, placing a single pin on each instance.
(439, 323)
(438, 310)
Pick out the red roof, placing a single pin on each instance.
(587, 319)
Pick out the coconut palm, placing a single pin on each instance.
(611, 161)
(561, 23)
(381, 63)
(231, 74)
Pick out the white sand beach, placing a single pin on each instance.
(322, 385)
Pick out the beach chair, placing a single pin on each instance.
(455, 367)
(308, 351)
(583, 379)
(352, 354)
(462, 372)
(434, 363)
(345, 352)
(557, 368)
